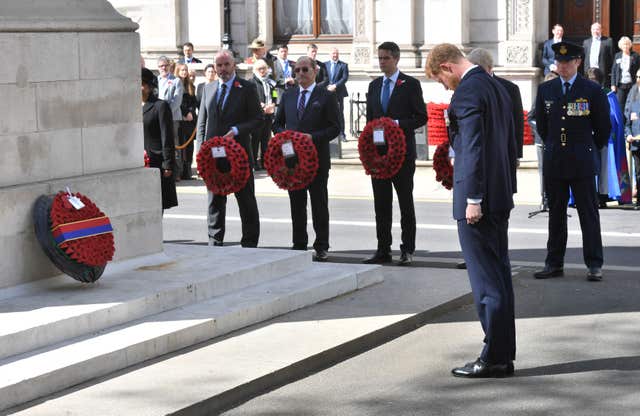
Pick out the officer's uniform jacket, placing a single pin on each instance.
(572, 127)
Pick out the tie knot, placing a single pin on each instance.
(567, 85)
(303, 92)
(387, 81)
(223, 86)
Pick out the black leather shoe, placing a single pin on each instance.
(462, 265)
(594, 274)
(549, 272)
(378, 258)
(480, 369)
(295, 247)
(321, 255)
(215, 243)
(405, 259)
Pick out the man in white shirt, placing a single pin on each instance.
(598, 51)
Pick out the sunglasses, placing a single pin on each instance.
(303, 69)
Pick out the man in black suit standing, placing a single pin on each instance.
(230, 107)
(572, 115)
(313, 110)
(480, 131)
(338, 76)
(322, 79)
(399, 97)
(598, 51)
(187, 57)
(548, 56)
(264, 87)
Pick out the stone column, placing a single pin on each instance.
(363, 52)
(71, 116)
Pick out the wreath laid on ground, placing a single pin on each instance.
(75, 234)
(300, 170)
(226, 174)
(442, 165)
(378, 163)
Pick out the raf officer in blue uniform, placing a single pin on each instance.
(481, 130)
(573, 120)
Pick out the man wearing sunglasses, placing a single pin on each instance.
(399, 97)
(313, 110)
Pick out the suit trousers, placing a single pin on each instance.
(248, 207)
(341, 115)
(260, 140)
(319, 212)
(383, 203)
(586, 199)
(485, 248)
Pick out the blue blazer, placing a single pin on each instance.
(481, 132)
(583, 133)
(340, 77)
(548, 55)
(320, 119)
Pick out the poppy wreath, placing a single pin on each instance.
(442, 165)
(436, 123)
(146, 160)
(78, 241)
(218, 182)
(305, 170)
(387, 165)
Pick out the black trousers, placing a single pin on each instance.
(485, 248)
(586, 199)
(319, 213)
(635, 154)
(248, 208)
(260, 140)
(383, 203)
(184, 132)
(341, 116)
(621, 94)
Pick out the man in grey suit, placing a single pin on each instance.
(230, 108)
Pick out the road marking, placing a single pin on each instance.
(371, 224)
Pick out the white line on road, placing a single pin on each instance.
(451, 227)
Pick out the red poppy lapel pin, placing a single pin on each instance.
(237, 84)
(399, 82)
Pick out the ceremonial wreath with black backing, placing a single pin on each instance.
(382, 147)
(291, 160)
(223, 164)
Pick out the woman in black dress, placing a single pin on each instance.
(158, 137)
(188, 124)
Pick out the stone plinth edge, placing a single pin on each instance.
(63, 16)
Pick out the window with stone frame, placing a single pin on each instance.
(313, 19)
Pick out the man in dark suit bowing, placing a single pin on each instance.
(313, 110)
(481, 131)
(338, 76)
(230, 107)
(572, 115)
(399, 97)
(598, 51)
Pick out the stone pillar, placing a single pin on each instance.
(71, 117)
(446, 21)
(364, 42)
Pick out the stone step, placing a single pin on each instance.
(38, 373)
(37, 315)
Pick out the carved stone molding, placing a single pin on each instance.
(517, 54)
(360, 32)
(361, 56)
(518, 17)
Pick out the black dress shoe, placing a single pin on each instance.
(321, 255)
(462, 265)
(594, 274)
(405, 259)
(549, 272)
(480, 369)
(297, 247)
(378, 258)
(215, 243)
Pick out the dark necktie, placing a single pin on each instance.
(385, 95)
(567, 87)
(223, 92)
(303, 93)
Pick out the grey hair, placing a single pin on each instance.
(482, 57)
(309, 60)
(224, 53)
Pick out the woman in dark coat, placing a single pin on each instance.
(158, 137)
(623, 71)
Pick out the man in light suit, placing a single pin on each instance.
(598, 51)
(283, 70)
(399, 97)
(230, 108)
(338, 76)
(313, 110)
(548, 56)
(481, 131)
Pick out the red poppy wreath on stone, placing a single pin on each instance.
(217, 181)
(305, 170)
(442, 165)
(147, 161)
(84, 235)
(382, 166)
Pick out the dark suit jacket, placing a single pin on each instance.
(605, 57)
(405, 105)
(518, 113)
(616, 69)
(340, 77)
(193, 60)
(242, 110)
(278, 75)
(257, 83)
(481, 133)
(584, 133)
(322, 77)
(320, 119)
(548, 55)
